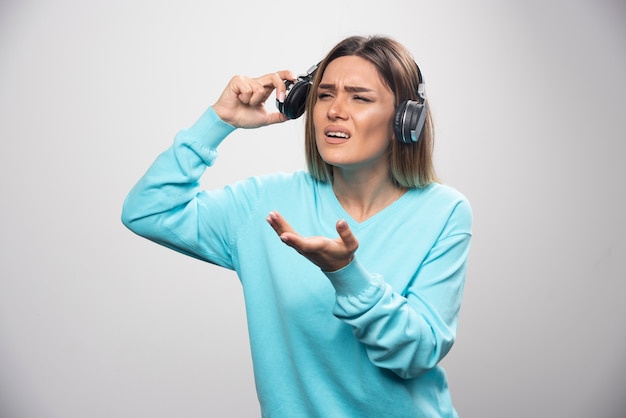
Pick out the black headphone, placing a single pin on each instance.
(297, 92)
(408, 122)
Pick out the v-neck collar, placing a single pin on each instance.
(387, 211)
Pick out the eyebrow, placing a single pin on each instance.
(350, 89)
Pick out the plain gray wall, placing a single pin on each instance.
(529, 111)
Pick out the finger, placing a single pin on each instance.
(311, 247)
(346, 235)
(253, 93)
(276, 117)
(276, 81)
(279, 224)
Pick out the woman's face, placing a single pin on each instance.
(352, 115)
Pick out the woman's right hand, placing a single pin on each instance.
(242, 103)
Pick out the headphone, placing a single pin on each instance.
(296, 95)
(408, 122)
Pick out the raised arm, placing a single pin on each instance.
(167, 205)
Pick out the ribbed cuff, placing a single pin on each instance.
(352, 279)
(210, 129)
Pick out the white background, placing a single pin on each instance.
(528, 99)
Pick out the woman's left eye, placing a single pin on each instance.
(361, 98)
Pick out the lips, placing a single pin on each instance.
(336, 134)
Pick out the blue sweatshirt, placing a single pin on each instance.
(363, 341)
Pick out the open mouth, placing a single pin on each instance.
(335, 134)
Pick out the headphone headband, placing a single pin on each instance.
(409, 119)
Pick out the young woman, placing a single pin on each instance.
(352, 271)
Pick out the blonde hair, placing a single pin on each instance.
(411, 165)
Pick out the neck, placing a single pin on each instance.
(363, 196)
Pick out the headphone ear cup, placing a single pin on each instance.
(409, 121)
(295, 100)
(398, 121)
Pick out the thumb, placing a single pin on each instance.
(276, 117)
(346, 235)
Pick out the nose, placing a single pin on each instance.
(337, 109)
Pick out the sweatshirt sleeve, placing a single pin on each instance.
(409, 333)
(167, 206)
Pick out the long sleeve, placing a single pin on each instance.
(409, 332)
(166, 205)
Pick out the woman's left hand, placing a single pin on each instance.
(328, 254)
